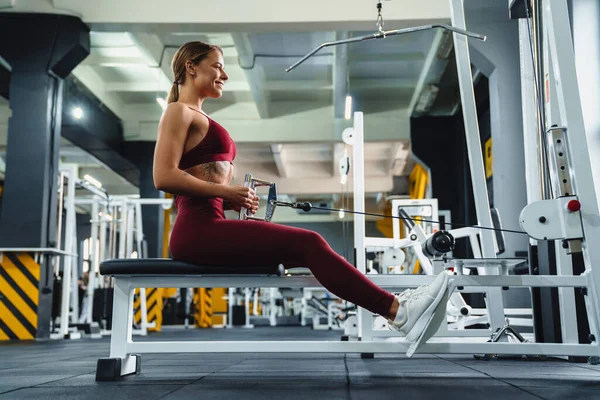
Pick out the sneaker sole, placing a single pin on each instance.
(439, 316)
(425, 319)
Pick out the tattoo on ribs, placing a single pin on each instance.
(213, 169)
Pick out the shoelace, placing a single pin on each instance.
(411, 294)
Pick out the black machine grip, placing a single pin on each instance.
(438, 244)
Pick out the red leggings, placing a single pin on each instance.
(202, 235)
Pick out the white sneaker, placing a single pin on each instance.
(418, 306)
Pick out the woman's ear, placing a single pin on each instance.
(190, 68)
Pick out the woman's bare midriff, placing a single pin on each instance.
(220, 172)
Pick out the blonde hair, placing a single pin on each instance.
(192, 51)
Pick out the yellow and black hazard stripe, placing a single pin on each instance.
(153, 308)
(204, 308)
(137, 310)
(19, 296)
(154, 305)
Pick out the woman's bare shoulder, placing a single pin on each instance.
(178, 108)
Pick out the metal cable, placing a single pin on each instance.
(417, 220)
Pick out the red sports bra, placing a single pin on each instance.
(217, 145)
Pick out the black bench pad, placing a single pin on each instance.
(167, 266)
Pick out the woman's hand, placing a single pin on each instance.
(254, 205)
(241, 196)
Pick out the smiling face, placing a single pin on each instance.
(208, 76)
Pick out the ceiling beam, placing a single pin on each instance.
(314, 125)
(356, 84)
(100, 60)
(424, 77)
(279, 156)
(275, 86)
(359, 58)
(309, 186)
(254, 75)
(90, 79)
(297, 130)
(340, 76)
(152, 48)
(235, 86)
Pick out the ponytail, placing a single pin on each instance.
(173, 93)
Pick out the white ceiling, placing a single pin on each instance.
(284, 123)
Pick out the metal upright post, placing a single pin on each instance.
(365, 321)
(272, 307)
(122, 324)
(495, 303)
(566, 317)
(122, 228)
(139, 230)
(74, 265)
(94, 265)
(68, 260)
(571, 115)
(131, 228)
(102, 240)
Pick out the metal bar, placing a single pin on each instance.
(61, 200)
(433, 346)
(122, 227)
(150, 202)
(529, 109)
(494, 298)
(102, 240)
(130, 228)
(451, 332)
(74, 261)
(144, 312)
(391, 282)
(46, 250)
(139, 231)
(93, 262)
(363, 317)
(113, 210)
(91, 188)
(383, 35)
(67, 278)
(121, 332)
(539, 50)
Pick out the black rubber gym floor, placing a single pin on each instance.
(66, 370)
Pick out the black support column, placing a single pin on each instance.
(141, 153)
(42, 50)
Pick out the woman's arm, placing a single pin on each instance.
(172, 134)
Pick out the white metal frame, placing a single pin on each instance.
(69, 308)
(494, 300)
(558, 32)
(127, 218)
(122, 345)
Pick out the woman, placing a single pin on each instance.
(193, 160)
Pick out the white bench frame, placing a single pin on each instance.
(124, 348)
